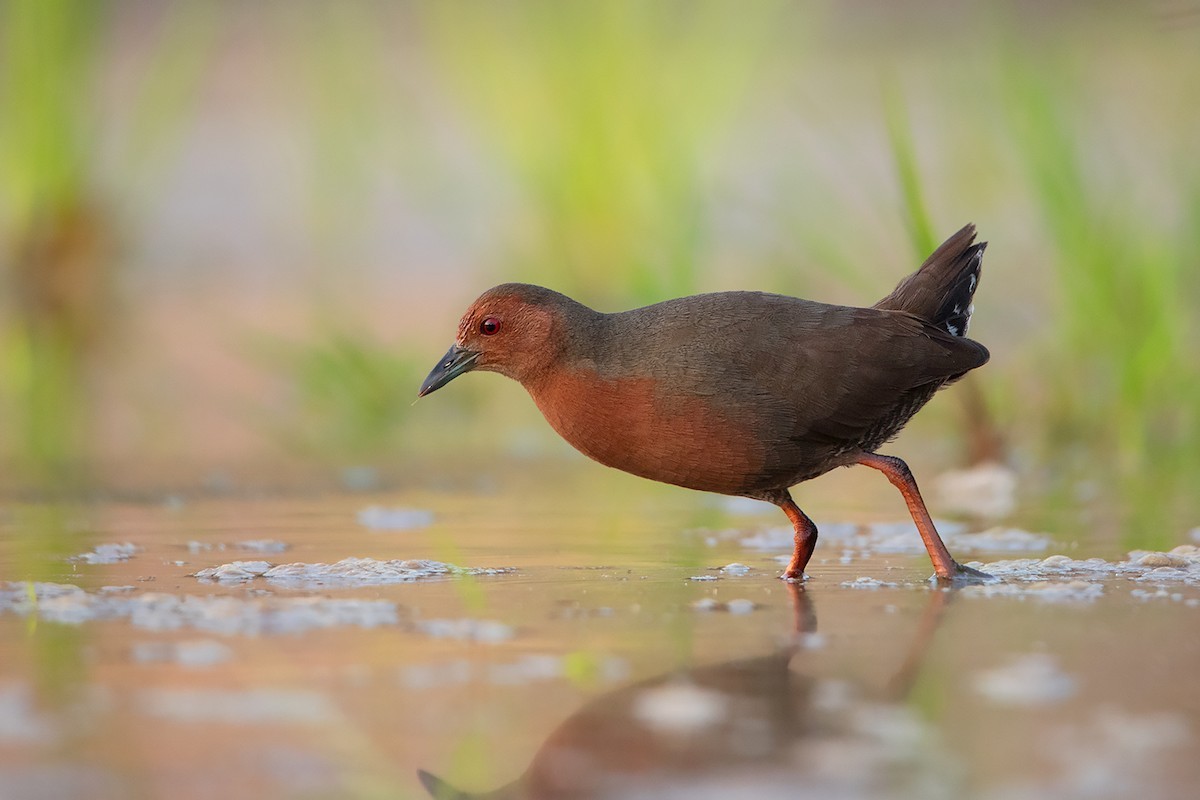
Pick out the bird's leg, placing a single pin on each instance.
(944, 566)
(805, 538)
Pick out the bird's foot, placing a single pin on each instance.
(964, 576)
(793, 576)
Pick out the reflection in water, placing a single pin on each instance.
(762, 724)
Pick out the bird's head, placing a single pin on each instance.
(515, 329)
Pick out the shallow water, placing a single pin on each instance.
(635, 646)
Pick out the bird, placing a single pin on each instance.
(739, 393)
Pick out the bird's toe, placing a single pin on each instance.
(965, 576)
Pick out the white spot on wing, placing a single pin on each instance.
(952, 328)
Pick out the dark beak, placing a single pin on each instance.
(456, 361)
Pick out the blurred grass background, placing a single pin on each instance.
(234, 236)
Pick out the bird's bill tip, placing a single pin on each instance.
(456, 361)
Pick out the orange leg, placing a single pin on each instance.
(944, 566)
(805, 539)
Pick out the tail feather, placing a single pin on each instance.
(940, 292)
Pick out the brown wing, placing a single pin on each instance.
(807, 380)
(870, 368)
(854, 385)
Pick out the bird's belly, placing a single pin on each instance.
(634, 425)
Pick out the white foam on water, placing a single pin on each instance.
(524, 670)
(1029, 680)
(467, 629)
(238, 707)
(864, 582)
(109, 553)
(344, 573)
(679, 708)
(194, 654)
(263, 545)
(1181, 565)
(20, 721)
(1075, 591)
(159, 611)
(380, 518)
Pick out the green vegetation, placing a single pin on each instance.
(571, 97)
(61, 211)
(1122, 373)
(349, 395)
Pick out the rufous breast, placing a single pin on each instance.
(638, 425)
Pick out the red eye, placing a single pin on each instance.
(490, 326)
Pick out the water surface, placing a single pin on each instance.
(601, 652)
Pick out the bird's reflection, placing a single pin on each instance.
(753, 725)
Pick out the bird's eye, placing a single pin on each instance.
(490, 326)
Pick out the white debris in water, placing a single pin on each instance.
(238, 707)
(1159, 594)
(531, 668)
(235, 571)
(108, 553)
(430, 676)
(194, 654)
(704, 578)
(735, 569)
(811, 641)
(264, 545)
(158, 611)
(527, 669)
(1076, 591)
(740, 606)
(20, 722)
(380, 518)
(1111, 754)
(987, 490)
(1116, 753)
(467, 629)
(1181, 565)
(679, 708)
(894, 726)
(864, 582)
(347, 572)
(833, 695)
(1030, 680)
(1153, 559)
